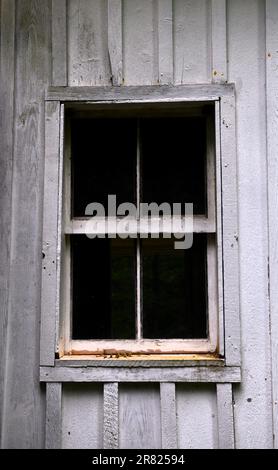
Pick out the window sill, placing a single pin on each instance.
(190, 368)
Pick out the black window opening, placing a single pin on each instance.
(173, 285)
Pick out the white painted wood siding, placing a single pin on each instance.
(131, 42)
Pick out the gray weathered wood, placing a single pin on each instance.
(139, 56)
(53, 427)
(272, 152)
(88, 61)
(168, 415)
(230, 231)
(191, 33)
(68, 361)
(219, 41)
(115, 46)
(165, 42)
(23, 413)
(167, 374)
(50, 233)
(110, 416)
(139, 416)
(6, 162)
(59, 43)
(141, 93)
(226, 439)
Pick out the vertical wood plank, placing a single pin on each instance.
(230, 231)
(7, 41)
(191, 40)
(219, 41)
(82, 424)
(50, 232)
(88, 61)
(24, 408)
(272, 153)
(226, 439)
(140, 67)
(59, 43)
(168, 415)
(53, 429)
(115, 46)
(165, 41)
(246, 68)
(111, 416)
(139, 416)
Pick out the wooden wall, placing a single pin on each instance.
(131, 42)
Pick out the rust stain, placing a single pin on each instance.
(150, 355)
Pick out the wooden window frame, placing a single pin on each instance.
(223, 347)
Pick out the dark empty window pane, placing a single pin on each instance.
(174, 289)
(103, 301)
(173, 161)
(103, 161)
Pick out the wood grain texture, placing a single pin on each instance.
(7, 41)
(88, 62)
(115, 42)
(272, 152)
(165, 41)
(23, 413)
(53, 430)
(82, 424)
(219, 41)
(59, 43)
(110, 416)
(230, 232)
(191, 39)
(167, 374)
(226, 439)
(168, 415)
(246, 67)
(139, 418)
(50, 233)
(139, 55)
(136, 94)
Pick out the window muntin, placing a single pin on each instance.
(203, 339)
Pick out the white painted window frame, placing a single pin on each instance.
(224, 325)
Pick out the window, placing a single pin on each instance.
(122, 286)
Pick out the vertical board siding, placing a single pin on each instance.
(219, 41)
(53, 431)
(225, 416)
(115, 42)
(7, 40)
(246, 54)
(88, 61)
(82, 419)
(165, 41)
(23, 414)
(272, 154)
(196, 416)
(111, 416)
(192, 51)
(139, 417)
(168, 415)
(59, 43)
(140, 65)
